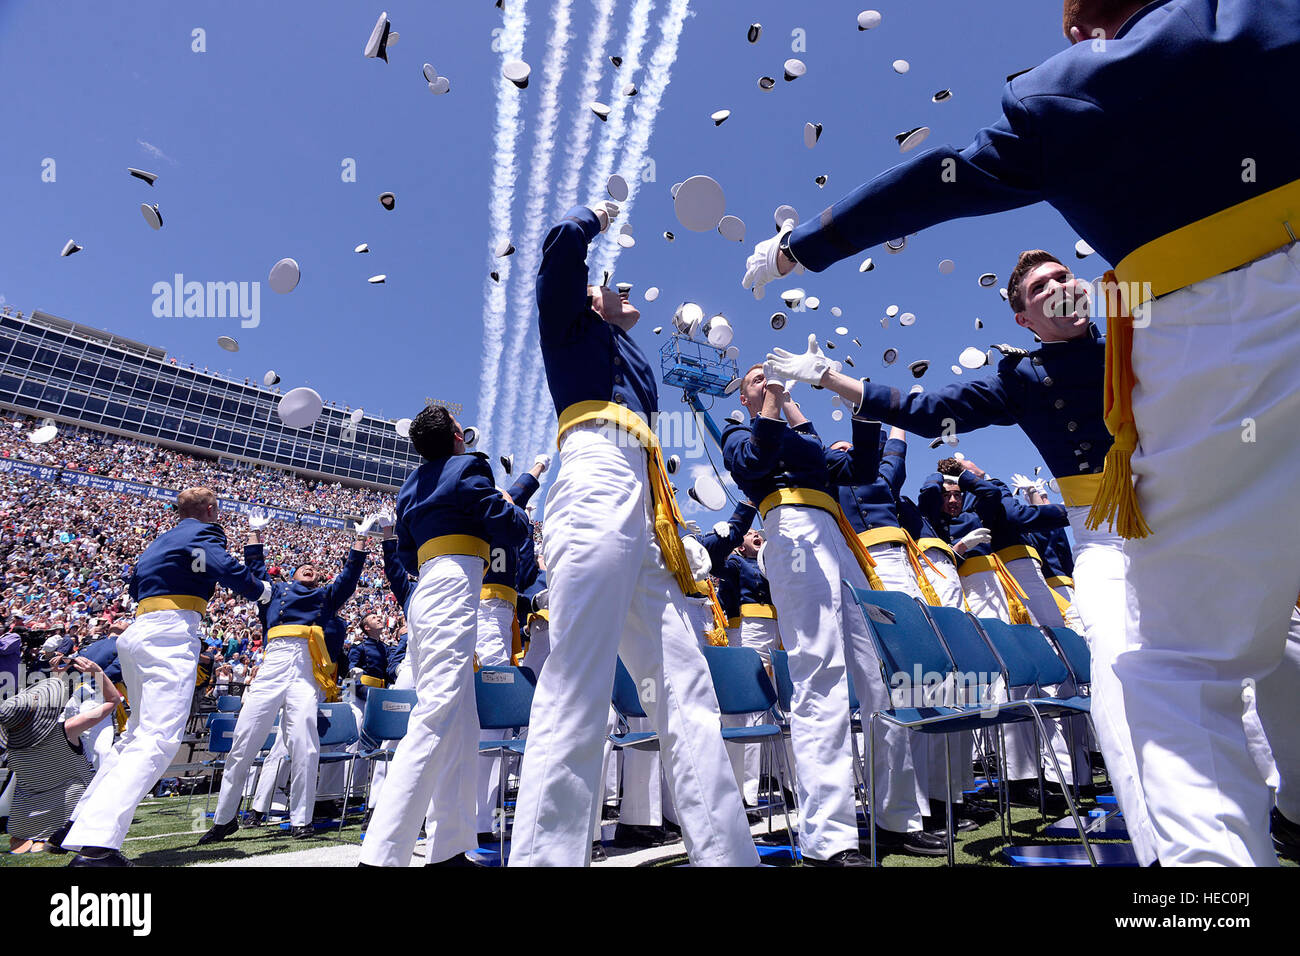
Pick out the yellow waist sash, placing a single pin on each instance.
(882, 536)
(667, 516)
(453, 544)
(1060, 581)
(119, 712)
(500, 591)
(1015, 594)
(369, 681)
(925, 544)
(734, 622)
(1198, 251)
(1079, 490)
(767, 611)
(172, 602)
(323, 669)
(811, 498)
(1018, 551)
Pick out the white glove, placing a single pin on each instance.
(386, 519)
(722, 529)
(1021, 483)
(973, 540)
(692, 526)
(1040, 486)
(606, 212)
(760, 267)
(258, 519)
(366, 526)
(698, 556)
(266, 593)
(544, 461)
(770, 373)
(808, 367)
(762, 568)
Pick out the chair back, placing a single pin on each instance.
(784, 685)
(978, 668)
(740, 680)
(1050, 666)
(504, 696)
(1017, 662)
(904, 637)
(336, 723)
(626, 699)
(229, 704)
(1076, 653)
(221, 735)
(387, 713)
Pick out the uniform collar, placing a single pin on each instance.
(1132, 21)
(1093, 335)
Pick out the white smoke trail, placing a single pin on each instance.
(533, 382)
(645, 112)
(504, 172)
(528, 243)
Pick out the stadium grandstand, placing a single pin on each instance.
(71, 373)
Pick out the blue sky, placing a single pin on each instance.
(249, 140)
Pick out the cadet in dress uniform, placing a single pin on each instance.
(618, 577)
(297, 671)
(98, 740)
(811, 549)
(1206, 257)
(447, 511)
(172, 584)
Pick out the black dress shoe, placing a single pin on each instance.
(54, 842)
(608, 814)
(1286, 835)
(255, 818)
(111, 858)
(843, 858)
(634, 836)
(1025, 793)
(915, 842)
(938, 824)
(460, 860)
(598, 854)
(219, 832)
(755, 816)
(305, 832)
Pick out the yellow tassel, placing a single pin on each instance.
(915, 556)
(1116, 502)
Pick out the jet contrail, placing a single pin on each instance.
(504, 173)
(645, 111)
(532, 383)
(528, 244)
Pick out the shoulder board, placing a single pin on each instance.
(1011, 351)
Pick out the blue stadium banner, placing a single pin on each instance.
(81, 479)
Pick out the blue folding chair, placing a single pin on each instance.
(627, 704)
(905, 640)
(221, 739)
(784, 701)
(743, 687)
(504, 696)
(260, 760)
(385, 719)
(336, 724)
(229, 704)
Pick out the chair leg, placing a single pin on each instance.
(501, 807)
(1069, 800)
(947, 767)
(871, 785)
(1003, 794)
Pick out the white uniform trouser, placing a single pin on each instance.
(610, 597)
(274, 776)
(159, 655)
(539, 645)
(897, 574)
(494, 645)
(949, 586)
(1275, 700)
(436, 759)
(284, 682)
(762, 635)
(1046, 612)
(404, 679)
(97, 741)
(646, 799)
(1099, 596)
(1211, 590)
(807, 560)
